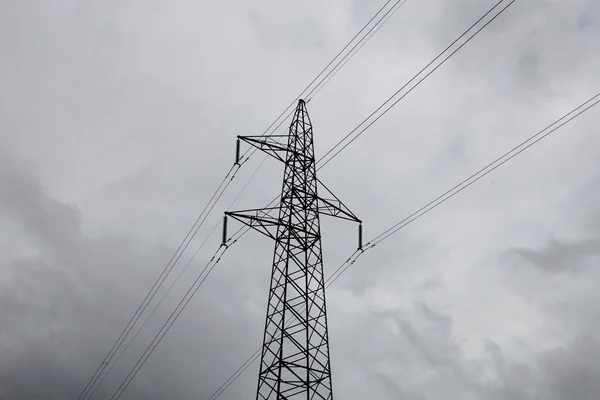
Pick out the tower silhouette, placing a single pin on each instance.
(295, 360)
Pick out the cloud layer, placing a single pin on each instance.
(118, 122)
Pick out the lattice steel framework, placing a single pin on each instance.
(295, 354)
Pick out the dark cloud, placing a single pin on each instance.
(573, 372)
(57, 304)
(62, 305)
(394, 391)
(563, 256)
(560, 373)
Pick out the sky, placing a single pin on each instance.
(118, 121)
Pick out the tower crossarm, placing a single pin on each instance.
(260, 220)
(271, 146)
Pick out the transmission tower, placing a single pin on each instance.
(295, 352)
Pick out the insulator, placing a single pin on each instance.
(360, 239)
(225, 229)
(237, 152)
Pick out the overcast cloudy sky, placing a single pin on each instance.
(118, 120)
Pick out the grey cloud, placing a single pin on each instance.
(573, 372)
(426, 360)
(48, 317)
(127, 111)
(562, 373)
(530, 48)
(563, 256)
(45, 364)
(435, 343)
(430, 284)
(565, 372)
(62, 306)
(394, 391)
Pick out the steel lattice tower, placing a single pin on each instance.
(295, 353)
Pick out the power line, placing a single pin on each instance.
(385, 17)
(360, 45)
(491, 167)
(93, 391)
(216, 258)
(154, 289)
(162, 299)
(323, 163)
(217, 253)
(568, 117)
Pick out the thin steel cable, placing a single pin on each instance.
(175, 314)
(222, 190)
(180, 273)
(323, 163)
(390, 13)
(491, 167)
(156, 338)
(153, 311)
(147, 299)
(515, 151)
